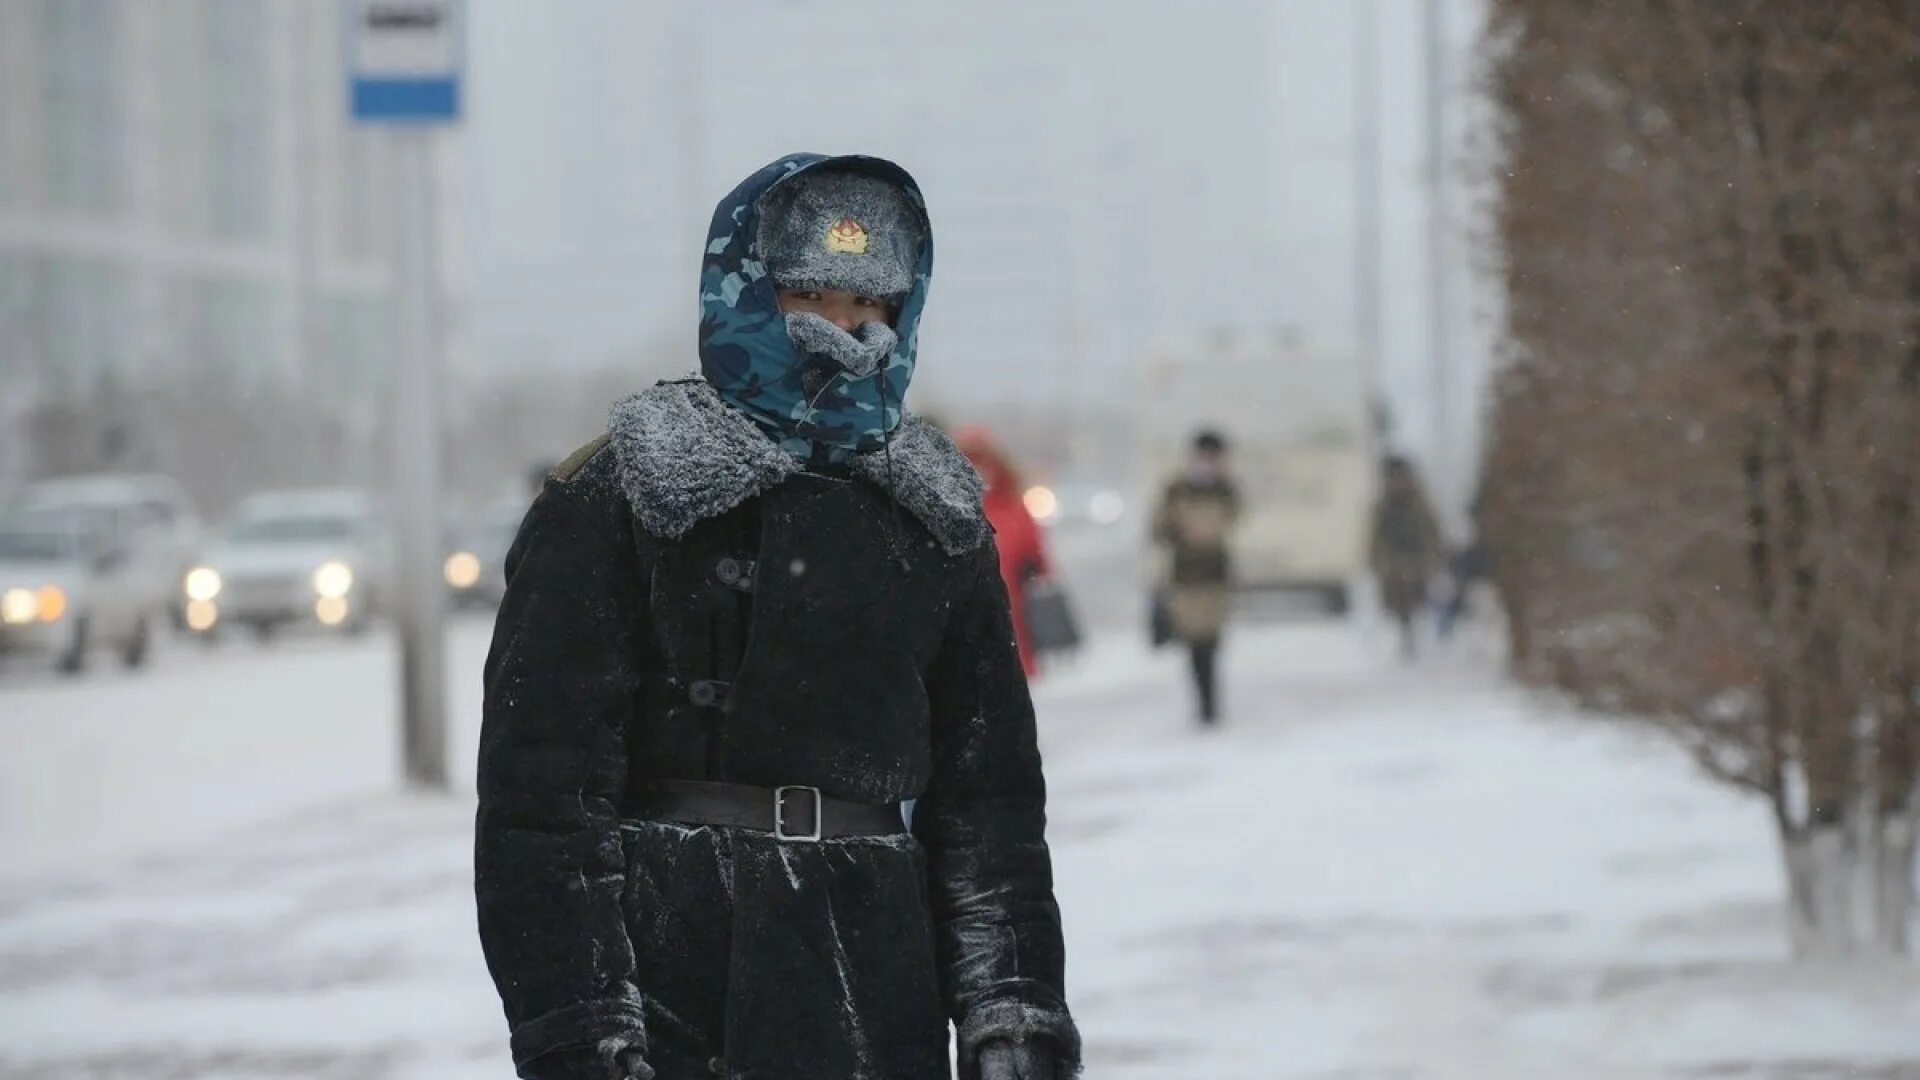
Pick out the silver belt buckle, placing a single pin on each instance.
(780, 814)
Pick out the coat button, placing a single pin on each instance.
(705, 693)
(728, 571)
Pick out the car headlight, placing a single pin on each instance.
(1041, 502)
(18, 607)
(202, 615)
(203, 583)
(53, 603)
(333, 580)
(463, 570)
(330, 610)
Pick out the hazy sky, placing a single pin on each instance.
(1102, 176)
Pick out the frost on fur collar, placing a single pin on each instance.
(685, 455)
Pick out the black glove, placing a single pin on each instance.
(609, 1062)
(628, 1065)
(1031, 1059)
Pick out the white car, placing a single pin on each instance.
(65, 589)
(1074, 504)
(315, 558)
(149, 520)
(477, 556)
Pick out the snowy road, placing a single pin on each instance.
(1369, 873)
(207, 739)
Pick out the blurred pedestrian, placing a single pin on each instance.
(741, 630)
(1407, 548)
(1193, 523)
(1471, 568)
(1465, 572)
(1023, 546)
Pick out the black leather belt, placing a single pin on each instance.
(792, 812)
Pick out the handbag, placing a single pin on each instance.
(1051, 625)
(1159, 619)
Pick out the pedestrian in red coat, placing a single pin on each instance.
(1023, 549)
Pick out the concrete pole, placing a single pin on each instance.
(301, 178)
(1444, 483)
(1368, 334)
(418, 595)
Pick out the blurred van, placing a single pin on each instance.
(1299, 425)
(477, 554)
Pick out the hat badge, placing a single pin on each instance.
(847, 237)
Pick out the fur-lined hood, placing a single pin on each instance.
(685, 455)
(746, 350)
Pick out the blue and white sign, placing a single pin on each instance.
(404, 59)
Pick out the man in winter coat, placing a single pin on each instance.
(740, 631)
(1023, 547)
(1407, 547)
(1194, 520)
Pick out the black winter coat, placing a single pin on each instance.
(685, 602)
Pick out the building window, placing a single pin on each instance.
(227, 329)
(239, 132)
(80, 89)
(82, 320)
(20, 319)
(362, 181)
(361, 332)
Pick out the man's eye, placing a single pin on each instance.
(809, 296)
(865, 301)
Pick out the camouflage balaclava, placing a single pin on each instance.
(853, 223)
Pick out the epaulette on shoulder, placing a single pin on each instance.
(577, 460)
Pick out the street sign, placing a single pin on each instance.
(404, 59)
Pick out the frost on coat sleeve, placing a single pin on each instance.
(983, 824)
(548, 870)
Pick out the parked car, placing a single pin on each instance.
(318, 558)
(1075, 504)
(475, 568)
(66, 586)
(148, 519)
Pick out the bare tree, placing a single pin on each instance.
(1706, 450)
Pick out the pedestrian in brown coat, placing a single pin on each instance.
(1195, 518)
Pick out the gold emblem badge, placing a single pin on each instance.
(848, 237)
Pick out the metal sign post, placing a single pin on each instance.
(404, 59)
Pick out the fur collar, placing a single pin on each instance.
(685, 455)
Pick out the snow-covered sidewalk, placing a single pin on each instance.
(1369, 872)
